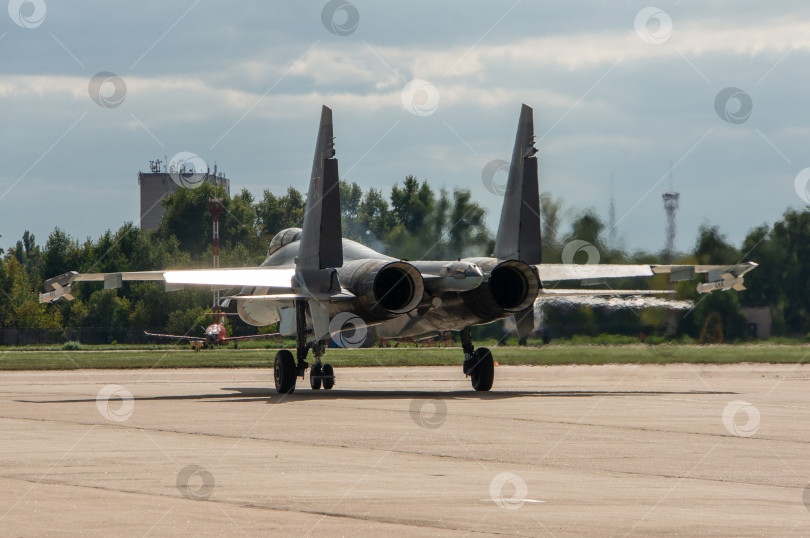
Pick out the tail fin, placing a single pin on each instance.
(321, 244)
(519, 231)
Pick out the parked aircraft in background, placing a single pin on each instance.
(314, 280)
(215, 335)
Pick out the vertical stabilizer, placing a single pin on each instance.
(321, 244)
(519, 231)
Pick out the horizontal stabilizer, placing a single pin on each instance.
(634, 302)
(574, 292)
(342, 295)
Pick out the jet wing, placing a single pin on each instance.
(176, 337)
(198, 339)
(260, 277)
(723, 277)
(249, 337)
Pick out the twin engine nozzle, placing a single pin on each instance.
(382, 289)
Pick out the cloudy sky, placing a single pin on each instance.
(620, 89)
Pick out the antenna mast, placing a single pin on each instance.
(612, 218)
(671, 203)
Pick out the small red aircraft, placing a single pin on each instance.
(215, 334)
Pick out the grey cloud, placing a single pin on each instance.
(646, 111)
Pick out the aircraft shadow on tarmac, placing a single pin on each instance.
(269, 395)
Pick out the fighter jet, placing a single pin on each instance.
(316, 284)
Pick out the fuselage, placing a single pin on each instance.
(215, 334)
(455, 293)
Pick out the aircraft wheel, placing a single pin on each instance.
(329, 377)
(284, 372)
(315, 374)
(483, 373)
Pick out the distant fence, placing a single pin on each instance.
(91, 336)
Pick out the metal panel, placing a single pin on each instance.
(113, 281)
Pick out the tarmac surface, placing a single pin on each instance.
(607, 450)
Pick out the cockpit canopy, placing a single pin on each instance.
(284, 237)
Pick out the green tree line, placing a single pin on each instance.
(415, 221)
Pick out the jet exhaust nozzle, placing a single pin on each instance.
(383, 289)
(509, 286)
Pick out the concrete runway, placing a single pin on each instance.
(608, 450)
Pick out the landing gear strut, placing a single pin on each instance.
(478, 363)
(286, 368)
(301, 348)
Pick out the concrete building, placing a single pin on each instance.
(157, 184)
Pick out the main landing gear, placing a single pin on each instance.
(478, 363)
(286, 369)
(321, 373)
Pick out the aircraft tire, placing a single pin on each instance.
(315, 374)
(329, 376)
(483, 373)
(284, 372)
